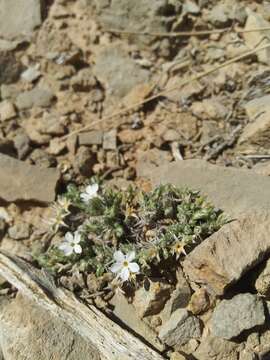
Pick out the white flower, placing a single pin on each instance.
(124, 267)
(90, 193)
(71, 244)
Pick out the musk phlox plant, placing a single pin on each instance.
(127, 233)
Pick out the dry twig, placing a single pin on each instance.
(188, 33)
(166, 91)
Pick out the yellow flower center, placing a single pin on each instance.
(125, 263)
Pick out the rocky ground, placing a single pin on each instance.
(68, 65)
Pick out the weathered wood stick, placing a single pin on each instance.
(111, 341)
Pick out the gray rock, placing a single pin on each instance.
(10, 68)
(22, 145)
(262, 283)
(28, 332)
(123, 310)
(233, 190)
(225, 256)
(84, 80)
(52, 125)
(219, 15)
(19, 231)
(191, 7)
(91, 138)
(142, 15)
(212, 348)
(179, 298)
(19, 181)
(232, 317)
(110, 140)
(31, 74)
(19, 18)
(36, 97)
(180, 328)
(119, 73)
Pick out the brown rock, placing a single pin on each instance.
(229, 253)
(253, 39)
(84, 161)
(209, 109)
(256, 134)
(177, 356)
(216, 349)
(262, 283)
(149, 160)
(199, 302)
(130, 136)
(137, 94)
(19, 231)
(150, 300)
(19, 181)
(262, 168)
(7, 110)
(57, 146)
(15, 247)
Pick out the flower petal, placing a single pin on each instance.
(77, 249)
(69, 237)
(66, 248)
(92, 189)
(77, 238)
(85, 197)
(119, 256)
(116, 267)
(131, 256)
(124, 274)
(134, 267)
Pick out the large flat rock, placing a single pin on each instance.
(233, 190)
(22, 182)
(19, 17)
(29, 332)
(229, 253)
(238, 246)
